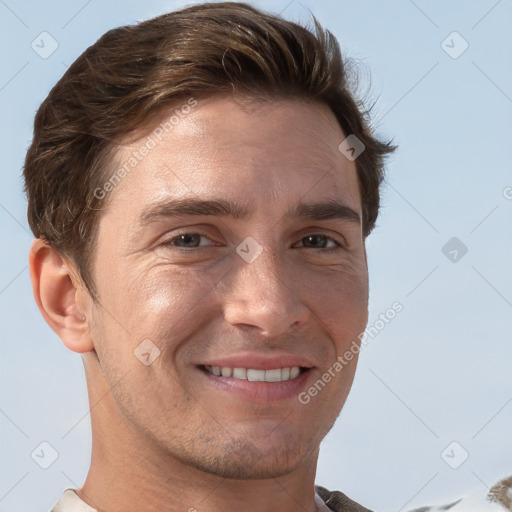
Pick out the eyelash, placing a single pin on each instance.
(339, 245)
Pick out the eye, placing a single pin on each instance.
(187, 240)
(319, 241)
(194, 240)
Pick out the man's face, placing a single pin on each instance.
(178, 280)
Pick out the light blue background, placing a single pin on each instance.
(439, 372)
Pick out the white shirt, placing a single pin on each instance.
(70, 502)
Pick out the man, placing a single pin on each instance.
(201, 186)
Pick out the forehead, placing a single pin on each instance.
(265, 152)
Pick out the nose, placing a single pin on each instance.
(263, 295)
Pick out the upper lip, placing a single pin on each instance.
(259, 361)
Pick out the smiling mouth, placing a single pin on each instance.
(253, 375)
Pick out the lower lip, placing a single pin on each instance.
(262, 392)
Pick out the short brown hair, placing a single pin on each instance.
(135, 72)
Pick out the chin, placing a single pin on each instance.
(246, 470)
(242, 460)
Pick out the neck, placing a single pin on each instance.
(129, 473)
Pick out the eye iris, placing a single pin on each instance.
(315, 239)
(189, 239)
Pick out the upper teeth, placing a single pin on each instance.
(277, 375)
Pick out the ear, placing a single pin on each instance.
(60, 296)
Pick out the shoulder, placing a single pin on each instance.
(338, 501)
(70, 502)
(498, 499)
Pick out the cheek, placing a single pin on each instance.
(161, 303)
(169, 302)
(339, 300)
(164, 305)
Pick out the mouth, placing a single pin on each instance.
(272, 385)
(255, 375)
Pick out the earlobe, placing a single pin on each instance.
(57, 294)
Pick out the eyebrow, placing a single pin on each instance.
(320, 210)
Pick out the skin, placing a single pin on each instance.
(163, 437)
